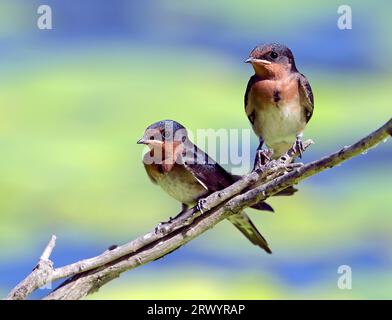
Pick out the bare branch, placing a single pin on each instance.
(49, 248)
(87, 276)
(38, 277)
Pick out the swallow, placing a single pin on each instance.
(188, 174)
(278, 99)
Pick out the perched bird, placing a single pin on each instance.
(188, 174)
(278, 99)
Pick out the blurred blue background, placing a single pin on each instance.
(74, 100)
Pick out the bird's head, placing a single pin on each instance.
(271, 60)
(162, 133)
(166, 140)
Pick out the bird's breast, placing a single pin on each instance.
(278, 114)
(278, 93)
(179, 183)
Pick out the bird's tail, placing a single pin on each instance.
(243, 223)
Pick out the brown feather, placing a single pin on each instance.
(306, 96)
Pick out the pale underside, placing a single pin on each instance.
(277, 121)
(180, 184)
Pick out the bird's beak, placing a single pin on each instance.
(142, 141)
(150, 142)
(253, 60)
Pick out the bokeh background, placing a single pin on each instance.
(74, 100)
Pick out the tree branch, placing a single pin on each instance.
(87, 276)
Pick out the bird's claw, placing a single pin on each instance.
(201, 206)
(298, 147)
(262, 158)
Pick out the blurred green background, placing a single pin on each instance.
(75, 99)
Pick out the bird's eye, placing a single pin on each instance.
(183, 138)
(152, 138)
(166, 134)
(273, 55)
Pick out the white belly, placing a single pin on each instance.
(279, 125)
(181, 186)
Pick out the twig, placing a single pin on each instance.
(38, 277)
(49, 248)
(89, 275)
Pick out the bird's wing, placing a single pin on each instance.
(248, 106)
(209, 173)
(306, 96)
(214, 178)
(243, 223)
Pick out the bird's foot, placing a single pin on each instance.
(201, 205)
(298, 147)
(262, 158)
